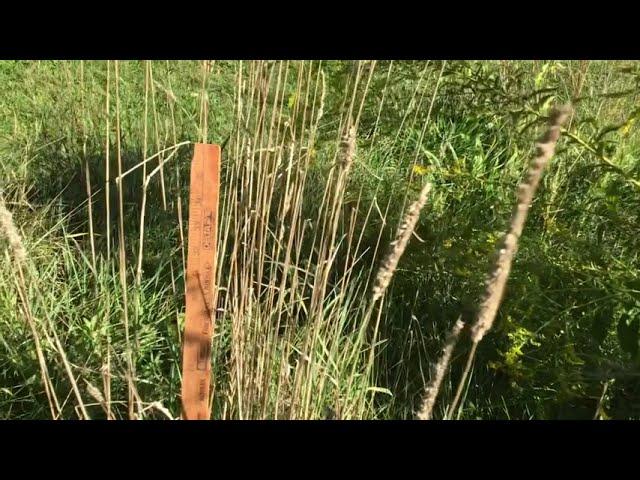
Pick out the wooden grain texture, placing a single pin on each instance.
(200, 281)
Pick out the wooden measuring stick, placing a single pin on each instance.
(200, 281)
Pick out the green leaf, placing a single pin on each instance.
(541, 75)
(629, 334)
(292, 101)
(380, 390)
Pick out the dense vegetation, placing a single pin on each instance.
(92, 292)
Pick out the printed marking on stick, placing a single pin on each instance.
(201, 266)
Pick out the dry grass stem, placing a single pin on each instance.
(439, 371)
(497, 279)
(11, 233)
(499, 273)
(398, 246)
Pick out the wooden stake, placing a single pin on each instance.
(200, 281)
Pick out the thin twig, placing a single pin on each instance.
(439, 371)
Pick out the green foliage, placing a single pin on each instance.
(629, 334)
(570, 320)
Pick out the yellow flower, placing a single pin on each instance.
(292, 101)
(627, 127)
(420, 169)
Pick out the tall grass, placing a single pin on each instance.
(358, 202)
(293, 336)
